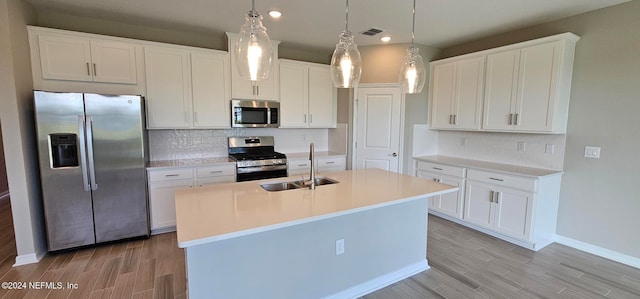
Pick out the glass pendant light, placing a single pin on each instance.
(412, 73)
(253, 48)
(346, 64)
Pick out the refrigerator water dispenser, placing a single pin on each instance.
(64, 151)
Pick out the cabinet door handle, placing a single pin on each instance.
(515, 121)
(95, 70)
(455, 119)
(497, 197)
(195, 117)
(495, 179)
(510, 118)
(331, 162)
(491, 193)
(450, 117)
(257, 89)
(303, 165)
(437, 168)
(88, 69)
(171, 175)
(305, 118)
(310, 118)
(215, 171)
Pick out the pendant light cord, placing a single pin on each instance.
(346, 19)
(413, 27)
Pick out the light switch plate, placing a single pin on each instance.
(592, 152)
(521, 146)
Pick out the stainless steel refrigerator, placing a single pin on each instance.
(92, 152)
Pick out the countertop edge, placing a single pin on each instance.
(470, 164)
(256, 230)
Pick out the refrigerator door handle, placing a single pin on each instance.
(83, 154)
(92, 168)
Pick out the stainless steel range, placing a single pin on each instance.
(256, 158)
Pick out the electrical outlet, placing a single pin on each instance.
(520, 146)
(592, 152)
(463, 141)
(340, 247)
(549, 149)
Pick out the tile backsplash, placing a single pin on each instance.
(196, 144)
(503, 148)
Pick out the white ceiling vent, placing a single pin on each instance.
(372, 31)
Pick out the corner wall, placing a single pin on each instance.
(599, 198)
(16, 103)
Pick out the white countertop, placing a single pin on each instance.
(189, 162)
(491, 166)
(223, 211)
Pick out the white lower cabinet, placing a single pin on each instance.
(450, 203)
(519, 209)
(504, 210)
(323, 165)
(164, 182)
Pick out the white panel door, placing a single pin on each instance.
(478, 205)
(443, 94)
(378, 128)
(513, 216)
(322, 98)
(113, 62)
(537, 87)
(168, 88)
(65, 58)
(500, 89)
(294, 95)
(469, 94)
(211, 90)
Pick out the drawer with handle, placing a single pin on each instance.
(170, 174)
(440, 168)
(511, 181)
(213, 171)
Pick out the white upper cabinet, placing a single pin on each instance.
(211, 89)
(187, 88)
(523, 87)
(527, 89)
(456, 93)
(168, 98)
(75, 58)
(266, 89)
(308, 98)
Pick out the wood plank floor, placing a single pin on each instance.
(464, 264)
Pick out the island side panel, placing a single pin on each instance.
(301, 262)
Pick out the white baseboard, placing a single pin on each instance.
(381, 282)
(599, 251)
(25, 259)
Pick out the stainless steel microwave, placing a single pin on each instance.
(255, 114)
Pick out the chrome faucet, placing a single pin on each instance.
(312, 174)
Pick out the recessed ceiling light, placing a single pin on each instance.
(275, 14)
(385, 39)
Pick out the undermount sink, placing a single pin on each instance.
(299, 184)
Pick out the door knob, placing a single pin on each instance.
(394, 154)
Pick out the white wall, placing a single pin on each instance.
(599, 201)
(16, 112)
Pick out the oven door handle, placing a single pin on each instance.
(260, 168)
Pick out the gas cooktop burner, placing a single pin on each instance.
(257, 156)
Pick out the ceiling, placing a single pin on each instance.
(316, 24)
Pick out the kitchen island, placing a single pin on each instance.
(341, 240)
